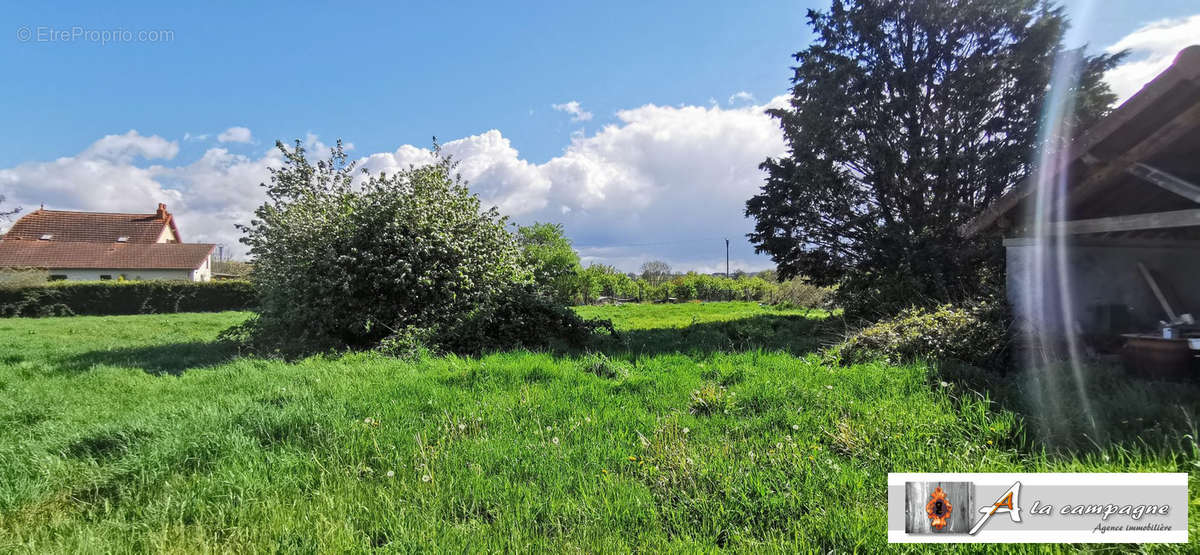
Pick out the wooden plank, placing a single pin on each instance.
(1169, 182)
(1132, 222)
(1158, 294)
(960, 495)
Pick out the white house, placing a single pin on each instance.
(104, 246)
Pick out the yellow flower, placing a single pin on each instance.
(989, 442)
(632, 458)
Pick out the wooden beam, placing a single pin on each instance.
(1145, 99)
(1108, 241)
(1177, 185)
(1179, 126)
(1132, 222)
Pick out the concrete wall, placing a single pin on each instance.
(1103, 275)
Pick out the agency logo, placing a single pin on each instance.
(1098, 508)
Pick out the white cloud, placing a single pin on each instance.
(235, 134)
(577, 112)
(1152, 48)
(741, 96)
(661, 183)
(124, 148)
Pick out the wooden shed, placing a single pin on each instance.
(1122, 219)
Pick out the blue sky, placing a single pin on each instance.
(487, 74)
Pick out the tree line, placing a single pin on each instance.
(560, 275)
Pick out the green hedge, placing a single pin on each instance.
(130, 297)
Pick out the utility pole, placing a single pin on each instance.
(727, 258)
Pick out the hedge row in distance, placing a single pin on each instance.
(101, 298)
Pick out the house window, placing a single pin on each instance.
(58, 277)
(105, 277)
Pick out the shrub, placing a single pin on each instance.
(712, 398)
(99, 298)
(410, 256)
(975, 334)
(519, 318)
(798, 292)
(604, 367)
(22, 277)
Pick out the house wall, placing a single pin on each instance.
(1102, 275)
(204, 272)
(133, 275)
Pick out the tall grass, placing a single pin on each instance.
(138, 433)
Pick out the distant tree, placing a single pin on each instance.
(9, 212)
(655, 272)
(907, 117)
(549, 255)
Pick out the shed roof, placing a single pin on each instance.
(93, 227)
(53, 255)
(1158, 128)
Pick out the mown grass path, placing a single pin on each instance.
(140, 433)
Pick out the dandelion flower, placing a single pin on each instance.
(462, 426)
(795, 427)
(632, 458)
(548, 428)
(426, 478)
(989, 442)
(391, 474)
(685, 431)
(367, 420)
(829, 387)
(554, 440)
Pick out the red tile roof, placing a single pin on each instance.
(93, 227)
(53, 255)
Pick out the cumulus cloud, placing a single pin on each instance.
(741, 96)
(662, 182)
(1152, 48)
(122, 149)
(577, 112)
(236, 134)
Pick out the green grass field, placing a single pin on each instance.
(703, 426)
